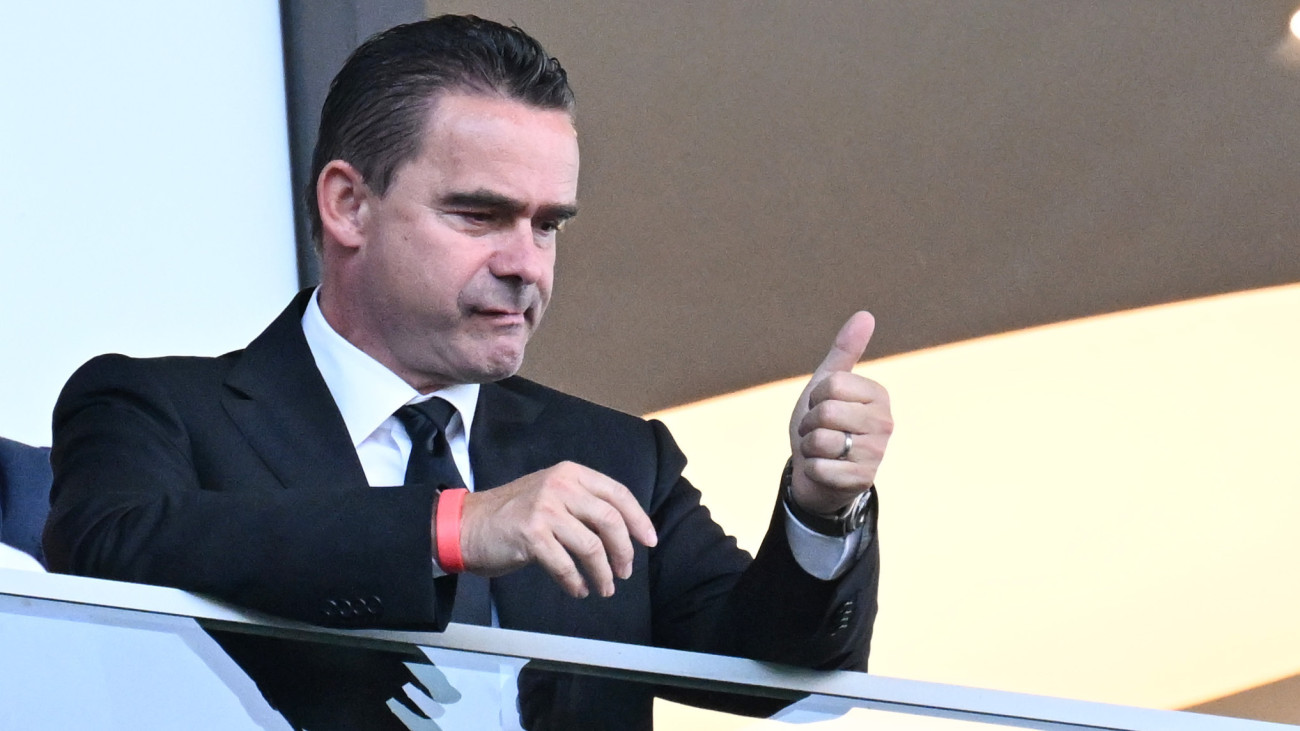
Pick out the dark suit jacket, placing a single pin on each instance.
(235, 477)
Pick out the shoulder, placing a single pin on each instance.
(145, 383)
(279, 344)
(117, 370)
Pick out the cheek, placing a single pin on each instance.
(543, 295)
(442, 275)
(546, 283)
(548, 280)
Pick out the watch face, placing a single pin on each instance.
(856, 514)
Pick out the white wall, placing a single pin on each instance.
(145, 204)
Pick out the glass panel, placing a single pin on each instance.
(817, 712)
(69, 666)
(75, 664)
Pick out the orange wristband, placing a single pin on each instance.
(451, 505)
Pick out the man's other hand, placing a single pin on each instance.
(553, 517)
(835, 403)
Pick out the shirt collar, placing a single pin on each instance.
(365, 391)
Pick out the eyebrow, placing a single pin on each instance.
(486, 199)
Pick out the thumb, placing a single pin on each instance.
(850, 343)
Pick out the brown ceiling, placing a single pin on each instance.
(754, 171)
(1277, 702)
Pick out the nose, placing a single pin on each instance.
(521, 255)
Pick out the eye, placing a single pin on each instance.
(550, 226)
(476, 216)
(474, 220)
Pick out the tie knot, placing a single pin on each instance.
(426, 419)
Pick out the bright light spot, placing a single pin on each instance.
(991, 490)
(1295, 24)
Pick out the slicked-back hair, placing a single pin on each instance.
(378, 105)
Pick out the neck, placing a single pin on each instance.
(346, 321)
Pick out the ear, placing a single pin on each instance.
(343, 199)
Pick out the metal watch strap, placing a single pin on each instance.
(852, 517)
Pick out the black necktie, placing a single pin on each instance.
(431, 463)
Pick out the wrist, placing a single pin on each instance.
(448, 511)
(839, 523)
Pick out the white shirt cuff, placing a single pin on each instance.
(825, 557)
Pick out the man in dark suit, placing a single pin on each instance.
(446, 165)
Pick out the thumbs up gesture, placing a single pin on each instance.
(840, 425)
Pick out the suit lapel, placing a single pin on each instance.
(502, 447)
(278, 400)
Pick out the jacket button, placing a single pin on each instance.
(842, 617)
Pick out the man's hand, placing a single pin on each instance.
(552, 517)
(836, 403)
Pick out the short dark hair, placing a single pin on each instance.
(374, 116)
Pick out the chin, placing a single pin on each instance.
(499, 374)
(486, 361)
(496, 369)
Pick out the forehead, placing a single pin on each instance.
(478, 142)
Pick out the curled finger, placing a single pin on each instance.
(638, 525)
(556, 561)
(614, 533)
(585, 545)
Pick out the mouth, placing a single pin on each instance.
(503, 317)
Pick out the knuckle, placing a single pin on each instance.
(545, 514)
(555, 486)
(875, 451)
(836, 414)
(815, 470)
(589, 546)
(810, 443)
(838, 385)
(606, 516)
(559, 473)
(619, 550)
(568, 573)
(572, 470)
(817, 414)
(535, 528)
(567, 478)
(825, 411)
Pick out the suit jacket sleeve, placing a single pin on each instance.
(765, 609)
(154, 483)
